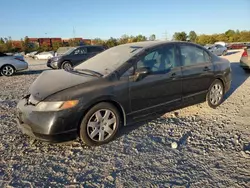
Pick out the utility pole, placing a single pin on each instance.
(74, 32)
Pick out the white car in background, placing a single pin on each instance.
(31, 54)
(44, 55)
(217, 49)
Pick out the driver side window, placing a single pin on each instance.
(159, 61)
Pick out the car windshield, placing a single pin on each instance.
(109, 60)
(63, 50)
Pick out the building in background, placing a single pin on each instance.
(49, 42)
(65, 42)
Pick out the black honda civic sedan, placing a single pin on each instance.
(120, 86)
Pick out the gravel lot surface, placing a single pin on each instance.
(213, 146)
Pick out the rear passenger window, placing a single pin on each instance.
(191, 55)
(95, 49)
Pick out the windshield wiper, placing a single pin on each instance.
(94, 73)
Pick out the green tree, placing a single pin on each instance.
(1, 41)
(2, 45)
(230, 33)
(152, 37)
(180, 36)
(124, 39)
(221, 37)
(139, 38)
(56, 45)
(44, 47)
(192, 36)
(111, 42)
(73, 42)
(97, 41)
(8, 47)
(26, 45)
(244, 36)
(205, 39)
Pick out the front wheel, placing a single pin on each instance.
(66, 65)
(215, 94)
(7, 70)
(100, 124)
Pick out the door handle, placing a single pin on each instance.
(206, 69)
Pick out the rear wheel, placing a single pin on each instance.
(100, 124)
(215, 94)
(66, 65)
(7, 70)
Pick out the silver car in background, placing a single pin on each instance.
(217, 49)
(9, 64)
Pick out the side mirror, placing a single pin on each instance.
(141, 73)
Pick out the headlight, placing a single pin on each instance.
(54, 59)
(54, 63)
(56, 106)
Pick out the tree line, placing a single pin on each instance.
(229, 36)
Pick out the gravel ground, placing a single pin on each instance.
(213, 146)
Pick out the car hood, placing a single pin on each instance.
(53, 81)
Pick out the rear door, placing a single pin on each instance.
(197, 71)
(94, 50)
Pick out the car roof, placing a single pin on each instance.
(150, 44)
(88, 46)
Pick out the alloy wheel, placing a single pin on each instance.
(101, 125)
(7, 70)
(67, 66)
(216, 94)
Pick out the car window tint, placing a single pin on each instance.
(191, 55)
(159, 61)
(95, 49)
(80, 51)
(129, 72)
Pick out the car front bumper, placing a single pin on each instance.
(57, 126)
(52, 64)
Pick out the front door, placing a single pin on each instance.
(162, 87)
(79, 55)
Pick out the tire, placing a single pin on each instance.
(94, 131)
(215, 94)
(7, 70)
(66, 65)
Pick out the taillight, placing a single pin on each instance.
(244, 54)
(18, 58)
